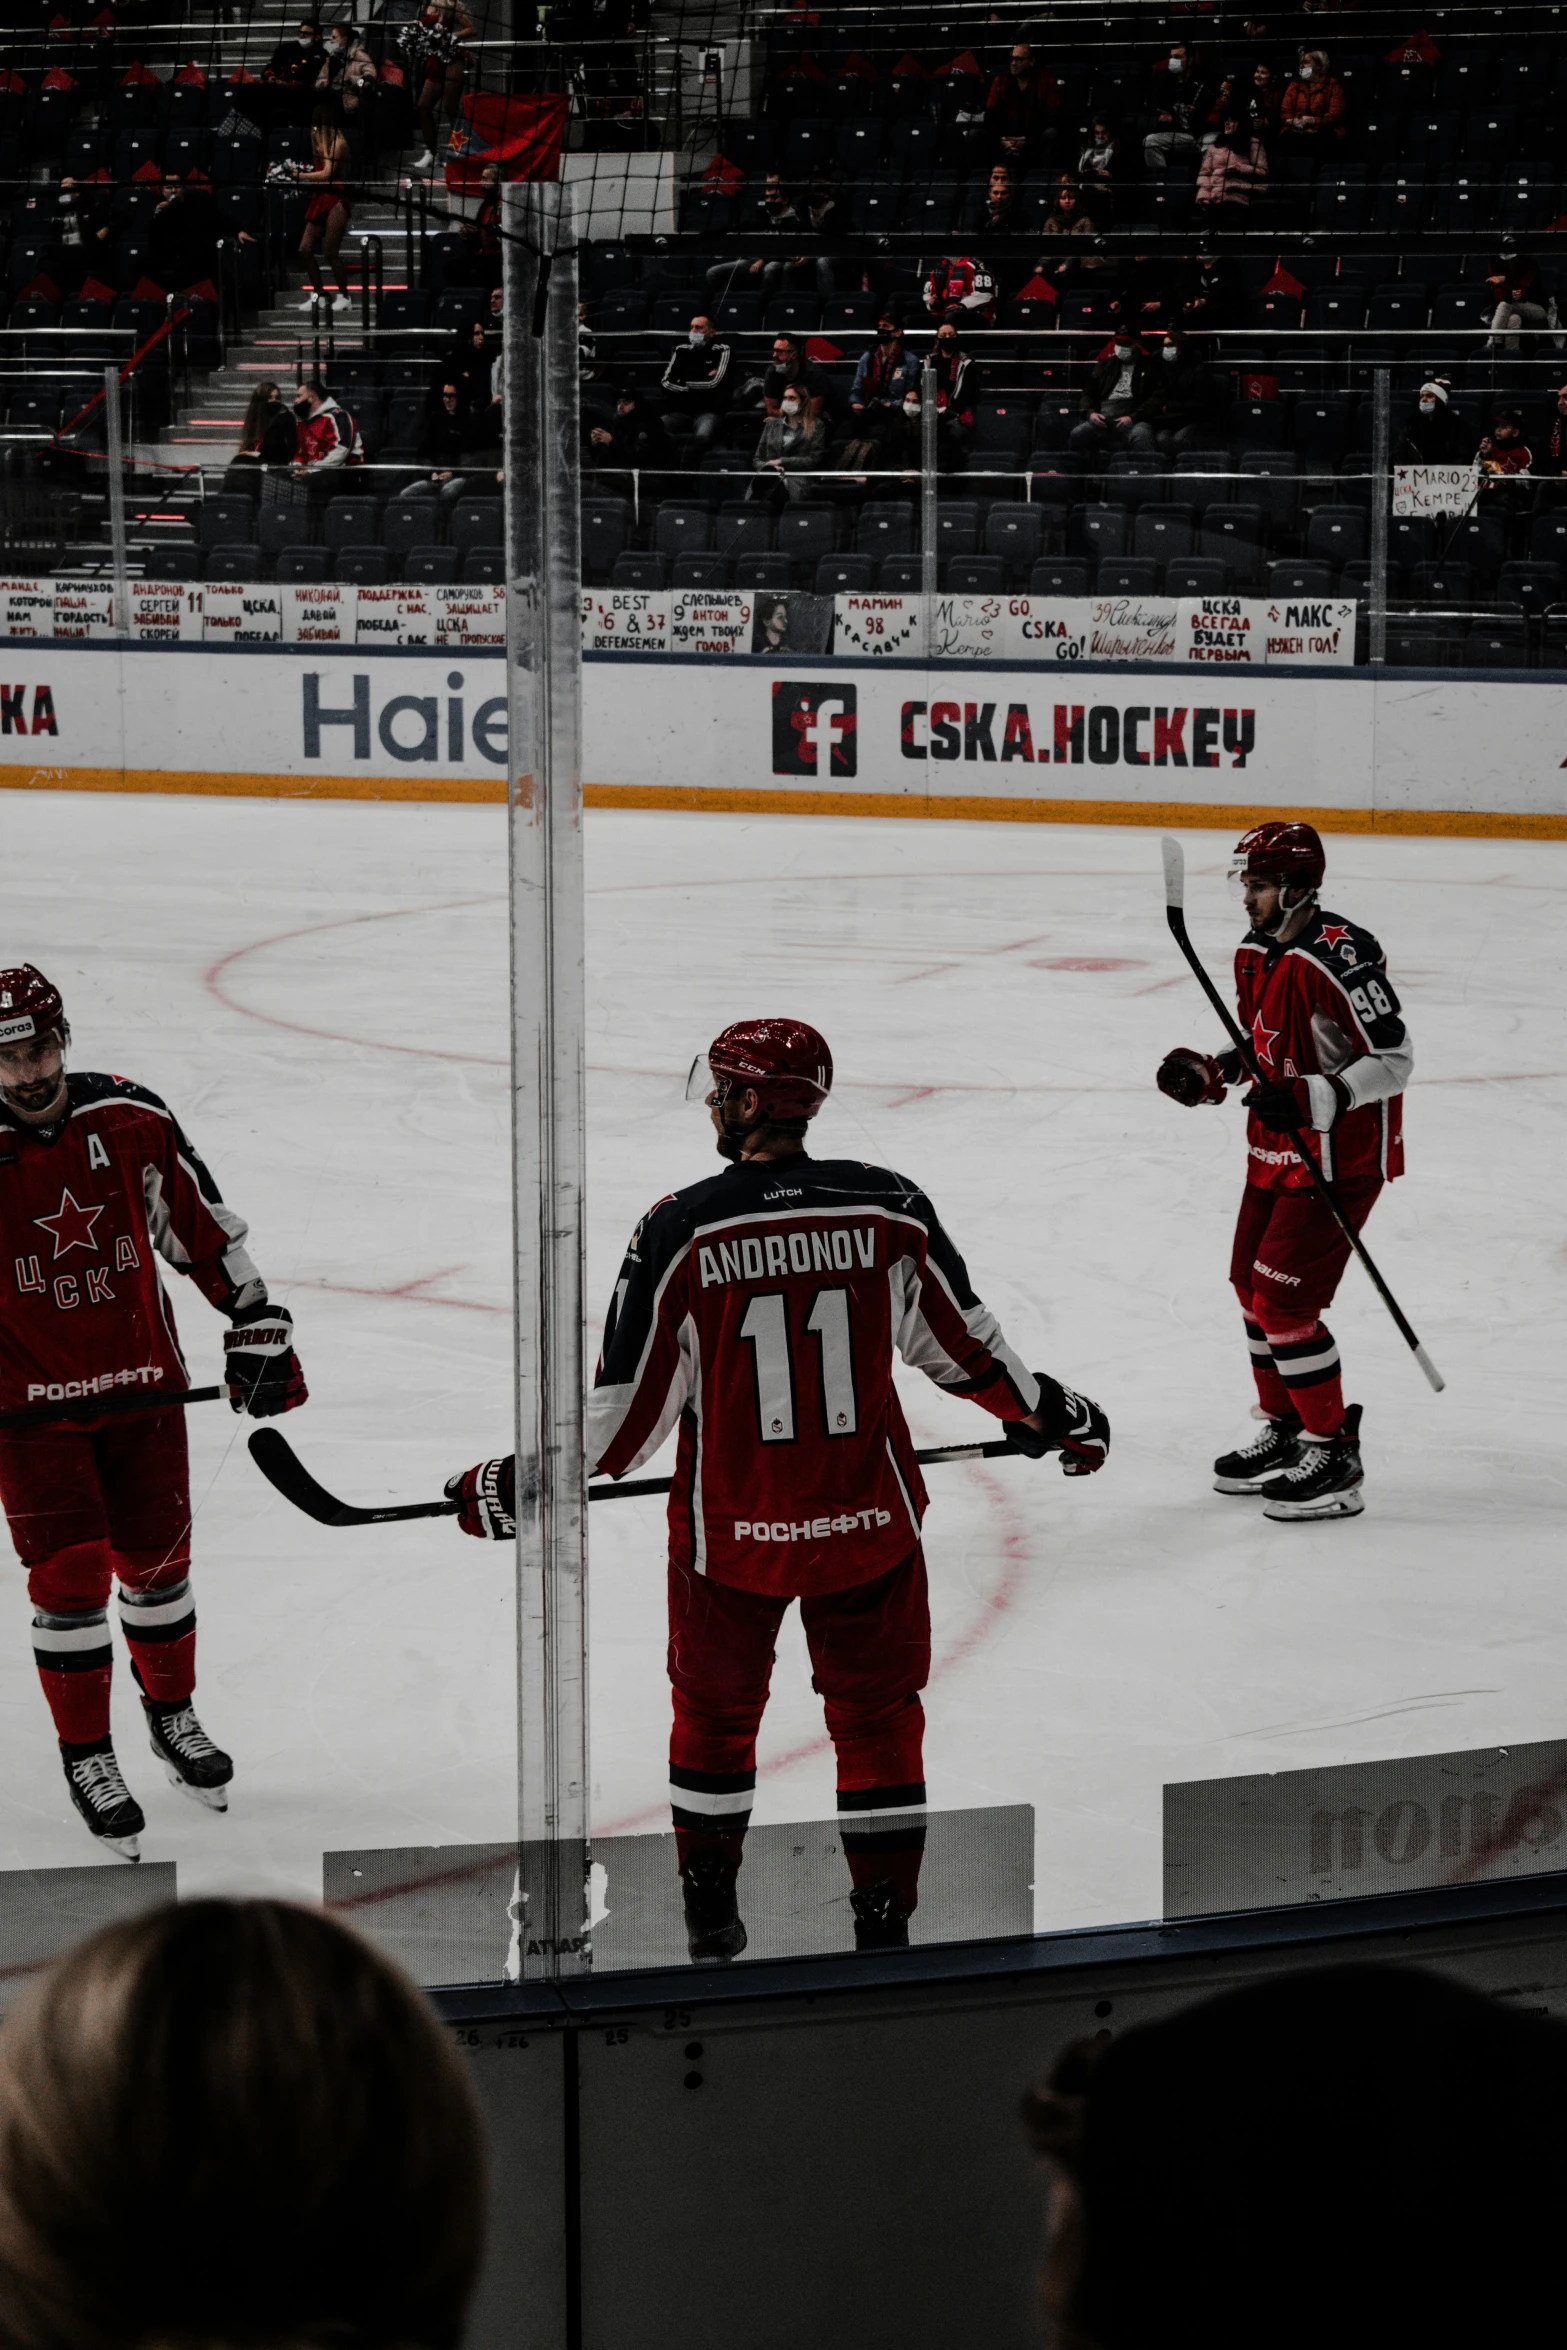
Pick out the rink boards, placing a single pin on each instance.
(1018, 741)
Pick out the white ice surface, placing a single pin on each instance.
(319, 990)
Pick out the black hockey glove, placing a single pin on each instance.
(260, 1368)
(1283, 1108)
(487, 1495)
(1190, 1077)
(1071, 1425)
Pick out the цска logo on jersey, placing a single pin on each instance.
(815, 728)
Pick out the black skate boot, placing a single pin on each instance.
(1326, 1480)
(880, 1920)
(190, 1760)
(715, 1932)
(111, 1811)
(1276, 1449)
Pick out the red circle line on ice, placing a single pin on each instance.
(215, 979)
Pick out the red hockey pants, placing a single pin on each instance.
(87, 1506)
(1288, 1259)
(870, 1657)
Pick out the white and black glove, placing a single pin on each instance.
(260, 1368)
(486, 1500)
(1070, 1424)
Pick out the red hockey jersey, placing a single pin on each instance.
(760, 1310)
(87, 1204)
(1324, 1006)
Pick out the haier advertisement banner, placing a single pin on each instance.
(998, 738)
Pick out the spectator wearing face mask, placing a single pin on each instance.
(1312, 117)
(328, 437)
(698, 383)
(1117, 390)
(1184, 407)
(790, 366)
(959, 382)
(793, 444)
(1431, 433)
(1178, 105)
(1231, 170)
(1020, 108)
(885, 374)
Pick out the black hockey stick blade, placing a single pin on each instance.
(95, 1407)
(1175, 915)
(282, 1467)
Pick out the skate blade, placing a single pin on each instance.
(214, 1798)
(1332, 1505)
(128, 1847)
(1244, 1484)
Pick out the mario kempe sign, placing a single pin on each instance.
(815, 728)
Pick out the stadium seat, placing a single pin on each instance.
(1162, 534)
(365, 566)
(436, 565)
(765, 570)
(1442, 583)
(1533, 587)
(1234, 534)
(884, 529)
(1497, 641)
(1204, 575)
(301, 565)
(1135, 481)
(234, 559)
(697, 569)
(1095, 532)
(682, 529)
(605, 528)
(1480, 540)
(975, 575)
(900, 575)
(476, 523)
(1016, 533)
(224, 518)
(351, 522)
(1300, 579)
(1128, 577)
(632, 570)
(1336, 534)
(845, 575)
(483, 567)
(743, 530)
(1052, 576)
(957, 528)
(178, 562)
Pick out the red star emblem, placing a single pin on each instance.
(1331, 934)
(1262, 1042)
(71, 1225)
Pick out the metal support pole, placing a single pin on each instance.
(114, 457)
(928, 570)
(544, 791)
(1381, 500)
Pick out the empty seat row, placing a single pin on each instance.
(244, 560)
(354, 521)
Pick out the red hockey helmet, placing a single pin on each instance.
(29, 1005)
(1290, 855)
(785, 1061)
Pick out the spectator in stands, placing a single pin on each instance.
(1197, 2165)
(348, 71)
(995, 213)
(1178, 104)
(182, 245)
(1142, 294)
(1020, 108)
(469, 359)
(282, 2098)
(268, 438)
(1514, 283)
(1206, 296)
(818, 219)
(886, 373)
(1312, 114)
(433, 47)
(1233, 167)
(444, 442)
(291, 71)
(1431, 434)
(1551, 461)
(793, 443)
(961, 289)
(1067, 217)
(779, 216)
(1099, 163)
(698, 384)
(1264, 103)
(1503, 455)
(328, 437)
(78, 225)
(959, 383)
(1117, 391)
(633, 440)
(1184, 407)
(327, 215)
(790, 366)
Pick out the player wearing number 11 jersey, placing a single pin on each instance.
(757, 1312)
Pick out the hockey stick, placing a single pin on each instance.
(278, 1462)
(96, 1407)
(1175, 914)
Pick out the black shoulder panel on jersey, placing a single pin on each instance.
(1357, 962)
(88, 1089)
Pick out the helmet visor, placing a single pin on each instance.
(700, 1080)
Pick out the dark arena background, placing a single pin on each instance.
(530, 535)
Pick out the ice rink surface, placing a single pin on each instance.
(320, 993)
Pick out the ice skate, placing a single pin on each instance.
(1325, 1481)
(111, 1811)
(715, 1932)
(880, 1920)
(190, 1760)
(1268, 1455)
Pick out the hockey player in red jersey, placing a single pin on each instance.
(96, 1180)
(1334, 1057)
(758, 1311)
